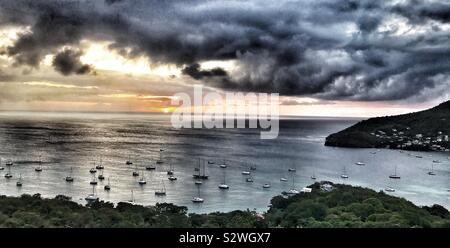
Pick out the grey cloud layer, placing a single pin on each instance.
(330, 49)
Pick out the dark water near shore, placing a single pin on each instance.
(76, 140)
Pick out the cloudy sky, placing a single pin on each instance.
(324, 57)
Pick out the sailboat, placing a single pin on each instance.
(313, 177)
(94, 180)
(93, 170)
(91, 198)
(8, 175)
(344, 174)
(129, 162)
(292, 191)
(108, 186)
(101, 177)
(150, 167)
(132, 197)
(198, 199)
(246, 173)
(249, 179)
(1, 168)
(389, 189)
(162, 190)
(171, 170)
(160, 159)
(200, 174)
(19, 183)
(431, 172)
(223, 185)
(100, 166)
(9, 162)
(135, 172)
(395, 176)
(70, 178)
(142, 180)
(222, 165)
(39, 168)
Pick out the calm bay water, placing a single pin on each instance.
(77, 140)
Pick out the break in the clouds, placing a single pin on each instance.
(328, 49)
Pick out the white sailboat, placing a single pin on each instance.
(129, 162)
(160, 159)
(224, 185)
(431, 172)
(69, 178)
(132, 197)
(100, 166)
(19, 183)
(394, 176)
(91, 198)
(344, 174)
(93, 170)
(39, 168)
(142, 181)
(161, 191)
(249, 179)
(1, 167)
(201, 174)
(107, 186)
(8, 174)
(198, 199)
(9, 162)
(223, 165)
(292, 190)
(170, 171)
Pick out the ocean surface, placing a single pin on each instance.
(76, 140)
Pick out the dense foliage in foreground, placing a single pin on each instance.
(345, 206)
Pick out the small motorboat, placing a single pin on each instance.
(266, 186)
(360, 163)
(283, 179)
(223, 186)
(246, 173)
(92, 170)
(389, 189)
(172, 178)
(249, 180)
(197, 200)
(292, 170)
(198, 182)
(150, 167)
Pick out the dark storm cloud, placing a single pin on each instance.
(68, 62)
(331, 49)
(195, 72)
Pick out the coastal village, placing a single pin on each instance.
(405, 140)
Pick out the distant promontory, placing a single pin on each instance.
(427, 130)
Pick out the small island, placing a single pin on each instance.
(325, 205)
(427, 130)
